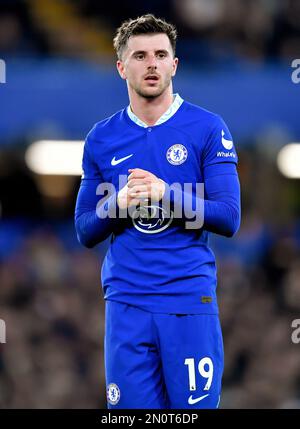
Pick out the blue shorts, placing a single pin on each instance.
(155, 360)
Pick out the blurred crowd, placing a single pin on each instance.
(209, 30)
(51, 302)
(258, 301)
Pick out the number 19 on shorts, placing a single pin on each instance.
(205, 368)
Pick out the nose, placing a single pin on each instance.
(152, 62)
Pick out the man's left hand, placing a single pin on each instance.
(144, 185)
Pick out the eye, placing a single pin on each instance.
(161, 55)
(139, 57)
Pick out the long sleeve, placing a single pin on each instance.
(217, 208)
(92, 222)
(222, 212)
(218, 205)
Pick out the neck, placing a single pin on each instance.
(150, 110)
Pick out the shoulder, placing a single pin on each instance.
(199, 122)
(107, 126)
(198, 113)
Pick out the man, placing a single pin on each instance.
(163, 342)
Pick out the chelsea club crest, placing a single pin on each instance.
(151, 219)
(113, 393)
(177, 154)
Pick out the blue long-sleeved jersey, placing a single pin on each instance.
(154, 261)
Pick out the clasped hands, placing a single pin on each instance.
(141, 186)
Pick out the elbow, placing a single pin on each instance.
(87, 236)
(85, 240)
(233, 226)
(225, 221)
(82, 236)
(230, 232)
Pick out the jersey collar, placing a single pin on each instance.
(167, 115)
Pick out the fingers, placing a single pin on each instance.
(134, 202)
(136, 182)
(143, 185)
(137, 173)
(140, 191)
(140, 195)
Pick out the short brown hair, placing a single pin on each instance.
(145, 24)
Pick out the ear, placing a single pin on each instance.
(175, 64)
(121, 69)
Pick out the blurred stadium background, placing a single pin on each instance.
(235, 59)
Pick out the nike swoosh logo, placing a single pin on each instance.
(193, 401)
(228, 144)
(115, 161)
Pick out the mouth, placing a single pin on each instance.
(152, 78)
